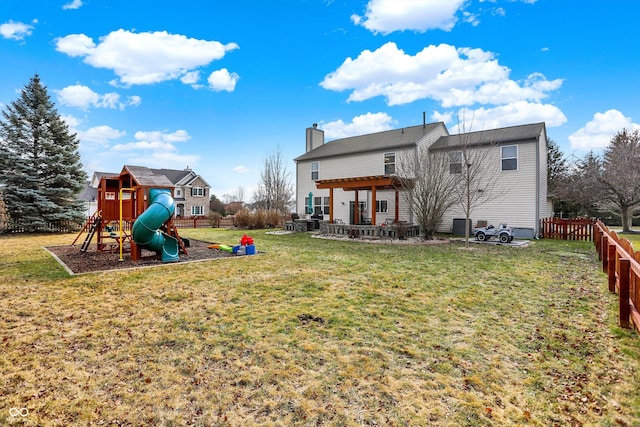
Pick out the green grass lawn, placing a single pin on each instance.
(318, 332)
(634, 238)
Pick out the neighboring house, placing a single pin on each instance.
(354, 179)
(191, 192)
(89, 196)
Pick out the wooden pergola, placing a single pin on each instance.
(373, 183)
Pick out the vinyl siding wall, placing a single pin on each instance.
(365, 164)
(513, 197)
(518, 198)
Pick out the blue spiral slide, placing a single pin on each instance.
(146, 229)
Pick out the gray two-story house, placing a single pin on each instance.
(353, 180)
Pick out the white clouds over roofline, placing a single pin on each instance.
(145, 58)
(512, 114)
(157, 149)
(359, 125)
(599, 131)
(452, 76)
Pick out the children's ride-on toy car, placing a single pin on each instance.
(504, 233)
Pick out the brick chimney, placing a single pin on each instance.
(315, 137)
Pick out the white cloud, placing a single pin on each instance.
(452, 76)
(500, 11)
(74, 4)
(76, 45)
(154, 142)
(154, 149)
(359, 125)
(513, 114)
(387, 16)
(223, 80)
(16, 30)
(241, 169)
(144, 58)
(471, 18)
(177, 136)
(83, 97)
(190, 78)
(100, 135)
(163, 159)
(71, 121)
(597, 133)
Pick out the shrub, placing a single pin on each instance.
(272, 219)
(258, 219)
(214, 219)
(243, 218)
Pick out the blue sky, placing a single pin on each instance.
(220, 85)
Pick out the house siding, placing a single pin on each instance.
(512, 200)
(366, 164)
(518, 198)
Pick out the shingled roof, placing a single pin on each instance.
(492, 136)
(145, 177)
(173, 175)
(386, 140)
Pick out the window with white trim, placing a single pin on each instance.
(197, 191)
(314, 171)
(389, 163)
(321, 205)
(317, 205)
(455, 162)
(509, 157)
(197, 210)
(178, 192)
(382, 206)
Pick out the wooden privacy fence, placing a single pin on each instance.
(195, 222)
(622, 265)
(567, 228)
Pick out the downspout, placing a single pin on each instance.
(537, 234)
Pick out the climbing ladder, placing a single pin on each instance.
(95, 225)
(173, 231)
(88, 225)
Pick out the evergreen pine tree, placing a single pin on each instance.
(41, 174)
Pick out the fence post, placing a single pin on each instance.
(611, 266)
(625, 309)
(603, 251)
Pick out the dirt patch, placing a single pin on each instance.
(77, 262)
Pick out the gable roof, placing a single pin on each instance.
(145, 177)
(505, 135)
(175, 176)
(172, 175)
(89, 193)
(386, 140)
(97, 176)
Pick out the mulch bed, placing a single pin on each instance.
(77, 262)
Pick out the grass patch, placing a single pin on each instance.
(318, 332)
